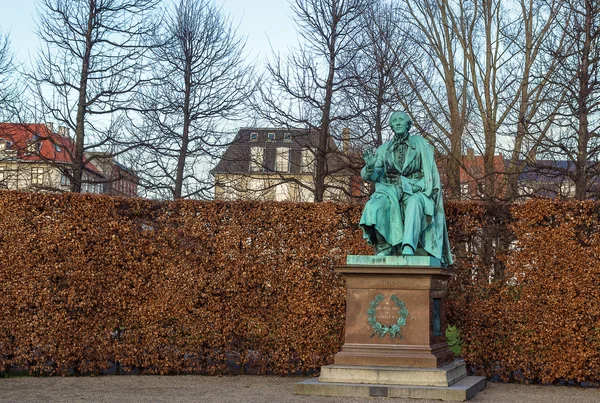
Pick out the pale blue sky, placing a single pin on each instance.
(259, 20)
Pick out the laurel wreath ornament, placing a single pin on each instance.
(380, 329)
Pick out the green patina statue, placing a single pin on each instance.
(405, 215)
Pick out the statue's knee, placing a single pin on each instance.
(413, 202)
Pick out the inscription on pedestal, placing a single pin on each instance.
(386, 312)
(368, 260)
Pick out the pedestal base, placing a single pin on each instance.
(444, 376)
(449, 382)
(464, 389)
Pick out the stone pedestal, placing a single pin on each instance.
(395, 343)
(421, 341)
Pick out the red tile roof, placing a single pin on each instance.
(51, 147)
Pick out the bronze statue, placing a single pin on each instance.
(405, 215)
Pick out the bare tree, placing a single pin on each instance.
(8, 90)
(481, 31)
(532, 33)
(575, 136)
(200, 79)
(307, 87)
(437, 75)
(88, 69)
(378, 69)
(8, 107)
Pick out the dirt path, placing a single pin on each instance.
(237, 389)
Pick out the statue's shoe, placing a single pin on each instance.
(407, 250)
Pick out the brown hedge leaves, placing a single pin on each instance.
(91, 284)
(530, 311)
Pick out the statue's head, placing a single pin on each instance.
(400, 122)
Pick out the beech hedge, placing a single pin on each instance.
(92, 284)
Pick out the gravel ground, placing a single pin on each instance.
(237, 389)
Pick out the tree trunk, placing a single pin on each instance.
(177, 191)
(322, 152)
(78, 154)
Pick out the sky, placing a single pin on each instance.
(265, 24)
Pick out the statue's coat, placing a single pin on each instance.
(384, 210)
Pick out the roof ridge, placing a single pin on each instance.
(272, 128)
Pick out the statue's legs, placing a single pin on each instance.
(382, 247)
(413, 216)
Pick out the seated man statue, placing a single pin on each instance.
(405, 215)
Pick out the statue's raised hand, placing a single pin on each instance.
(369, 158)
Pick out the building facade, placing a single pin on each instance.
(278, 165)
(34, 157)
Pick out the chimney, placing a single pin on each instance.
(63, 131)
(470, 154)
(50, 126)
(346, 140)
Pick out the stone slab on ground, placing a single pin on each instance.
(444, 376)
(464, 389)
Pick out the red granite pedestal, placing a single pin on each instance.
(395, 345)
(421, 342)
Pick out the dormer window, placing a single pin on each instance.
(57, 148)
(253, 136)
(33, 145)
(271, 136)
(287, 137)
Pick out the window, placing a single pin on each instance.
(282, 160)
(253, 136)
(271, 136)
(37, 176)
(64, 180)
(2, 172)
(308, 160)
(3, 145)
(57, 148)
(256, 159)
(287, 137)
